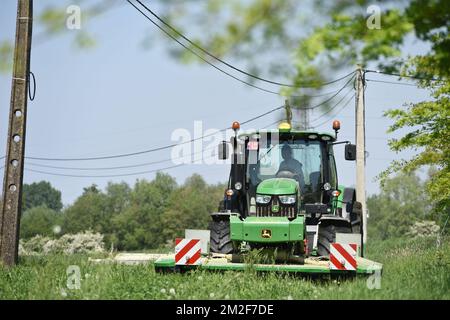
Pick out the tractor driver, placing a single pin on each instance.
(291, 164)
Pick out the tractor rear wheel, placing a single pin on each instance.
(327, 235)
(220, 239)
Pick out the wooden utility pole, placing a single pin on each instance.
(361, 148)
(12, 184)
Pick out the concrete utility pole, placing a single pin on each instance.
(360, 135)
(288, 110)
(12, 184)
(305, 119)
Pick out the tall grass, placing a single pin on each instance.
(412, 270)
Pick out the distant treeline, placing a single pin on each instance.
(151, 214)
(148, 215)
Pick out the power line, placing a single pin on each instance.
(214, 66)
(153, 149)
(330, 98)
(391, 82)
(343, 107)
(200, 57)
(154, 170)
(104, 176)
(230, 65)
(327, 112)
(170, 159)
(404, 75)
(135, 165)
(177, 144)
(335, 106)
(99, 168)
(148, 163)
(261, 115)
(271, 124)
(117, 167)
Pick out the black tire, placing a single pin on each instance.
(356, 216)
(356, 221)
(221, 206)
(220, 239)
(327, 235)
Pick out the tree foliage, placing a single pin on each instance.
(399, 205)
(148, 215)
(40, 220)
(430, 125)
(86, 213)
(190, 206)
(41, 193)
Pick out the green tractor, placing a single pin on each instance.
(283, 196)
(283, 201)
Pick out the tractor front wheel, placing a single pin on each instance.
(327, 235)
(220, 240)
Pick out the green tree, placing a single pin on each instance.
(430, 121)
(400, 203)
(40, 220)
(118, 197)
(41, 193)
(190, 207)
(87, 212)
(139, 226)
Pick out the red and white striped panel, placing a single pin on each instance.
(343, 256)
(187, 252)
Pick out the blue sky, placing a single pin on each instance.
(119, 98)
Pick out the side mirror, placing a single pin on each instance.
(224, 150)
(350, 152)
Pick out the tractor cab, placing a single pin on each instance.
(287, 170)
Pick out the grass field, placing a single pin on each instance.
(412, 270)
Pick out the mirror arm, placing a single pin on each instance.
(340, 142)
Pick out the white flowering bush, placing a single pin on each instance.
(423, 228)
(33, 246)
(86, 242)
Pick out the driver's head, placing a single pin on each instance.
(286, 152)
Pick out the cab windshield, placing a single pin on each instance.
(297, 159)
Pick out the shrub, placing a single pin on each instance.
(86, 242)
(32, 246)
(423, 228)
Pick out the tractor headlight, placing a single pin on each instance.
(263, 199)
(288, 199)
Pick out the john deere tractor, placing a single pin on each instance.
(284, 196)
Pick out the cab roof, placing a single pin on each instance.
(301, 134)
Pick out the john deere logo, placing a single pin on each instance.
(266, 233)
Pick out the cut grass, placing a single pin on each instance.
(412, 270)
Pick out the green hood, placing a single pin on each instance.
(277, 186)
